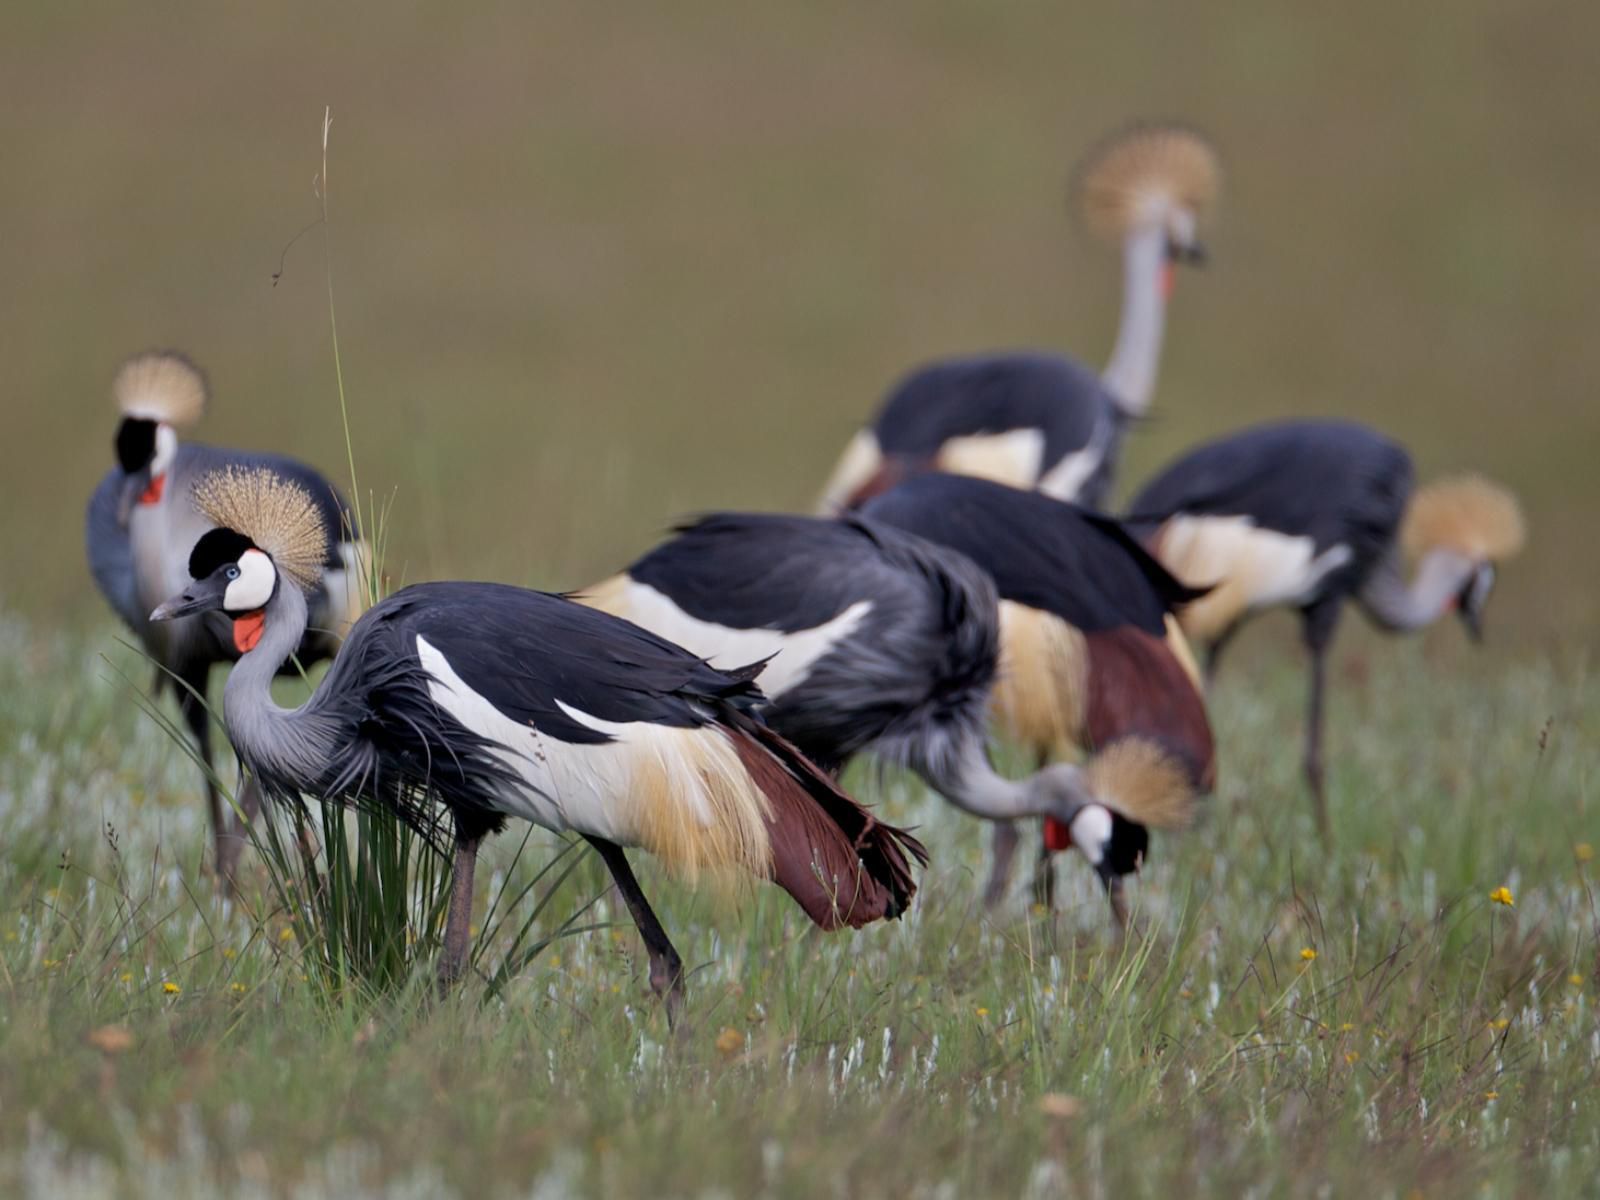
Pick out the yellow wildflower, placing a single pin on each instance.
(1583, 851)
(1347, 1027)
(1352, 1058)
(1502, 895)
(983, 1012)
(1308, 954)
(127, 977)
(287, 935)
(729, 1042)
(230, 952)
(1575, 979)
(1491, 1095)
(1499, 1024)
(171, 988)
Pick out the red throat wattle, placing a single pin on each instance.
(152, 494)
(1169, 279)
(1056, 835)
(247, 630)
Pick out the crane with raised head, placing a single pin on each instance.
(1033, 419)
(1092, 662)
(500, 702)
(871, 639)
(141, 525)
(1308, 515)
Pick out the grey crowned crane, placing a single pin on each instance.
(1040, 420)
(1092, 662)
(141, 526)
(500, 702)
(871, 639)
(1309, 514)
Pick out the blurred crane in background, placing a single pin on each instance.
(142, 523)
(1310, 514)
(1040, 420)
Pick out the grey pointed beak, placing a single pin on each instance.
(199, 597)
(1193, 254)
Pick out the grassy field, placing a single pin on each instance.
(1363, 1021)
(599, 266)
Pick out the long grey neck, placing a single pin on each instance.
(970, 782)
(291, 745)
(1136, 358)
(1403, 605)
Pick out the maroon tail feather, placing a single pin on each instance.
(840, 863)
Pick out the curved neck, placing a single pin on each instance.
(969, 781)
(1131, 373)
(288, 745)
(1403, 605)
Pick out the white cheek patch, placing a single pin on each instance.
(1091, 833)
(166, 450)
(253, 588)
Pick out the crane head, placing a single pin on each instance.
(145, 451)
(231, 575)
(1114, 845)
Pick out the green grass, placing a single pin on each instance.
(949, 1054)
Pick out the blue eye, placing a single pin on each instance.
(233, 572)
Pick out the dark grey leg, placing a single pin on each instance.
(231, 844)
(1002, 851)
(1044, 879)
(191, 689)
(1119, 903)
(666, 968)
(458, 922)
(1319, 623)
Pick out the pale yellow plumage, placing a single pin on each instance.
(1144, 783)
(1041, 695)
(159, 385)
(1468, 514)
(1131, 178)
(279, 516)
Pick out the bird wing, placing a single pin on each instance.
(111, 552)
(1042, 553)
(536, 657)
(1328, 480)
(990, 394)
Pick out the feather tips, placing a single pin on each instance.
(1141, 781)
(1473, 516)
(160, 385)
(1134, 176)
(279, 516)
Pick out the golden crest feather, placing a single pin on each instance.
(1138, 779)
(160, 385)
(1471, 515)
(1132, 176)
(275, 513)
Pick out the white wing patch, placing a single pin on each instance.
(795, 653)
(1065, 480)
(1013, 457)
(859, 463)
(1251, 568)
(680, 793)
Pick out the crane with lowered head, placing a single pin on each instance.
(501, 702)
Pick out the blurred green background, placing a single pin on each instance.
(597, 266)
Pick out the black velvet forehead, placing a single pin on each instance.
(217, 547)
(136, 443)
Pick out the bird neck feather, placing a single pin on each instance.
(1131, 373)
(1399, 604)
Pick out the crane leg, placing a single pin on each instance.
(1002, 850)
(231, 844)
(1044, 879)
(191, 690)
(1320, 620)
(458, 920)
(666, 968)
(1119, 903)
